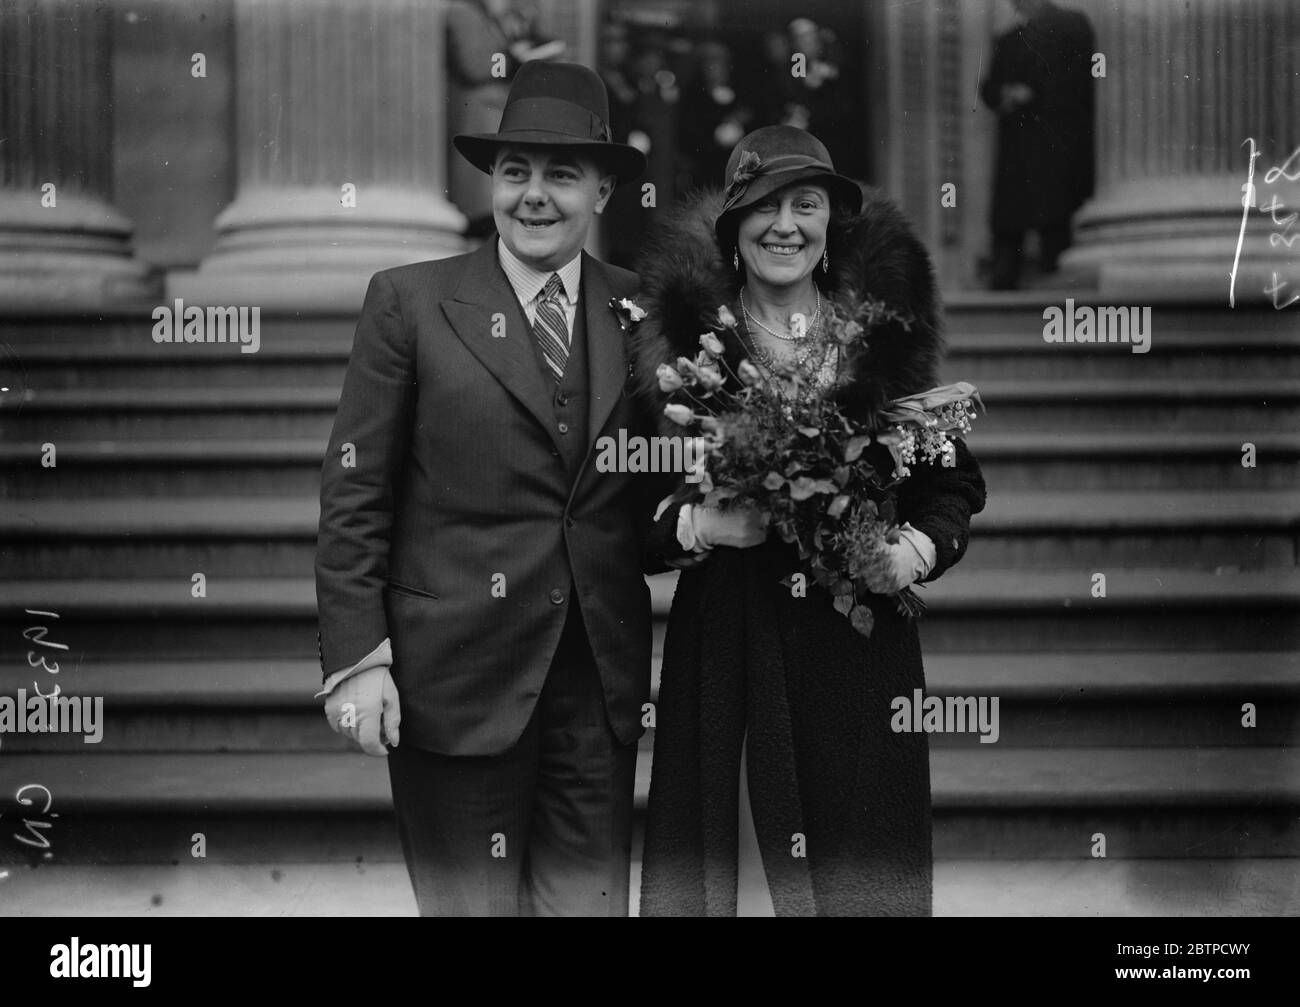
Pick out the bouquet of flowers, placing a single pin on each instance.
(780, 442)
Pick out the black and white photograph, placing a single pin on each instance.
(623, 458)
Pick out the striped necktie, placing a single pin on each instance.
(550, 327)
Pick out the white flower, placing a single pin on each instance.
(634, 311)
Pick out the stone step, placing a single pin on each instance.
(1216, 347)
(1247, 405)
(969, 611)
(90, 358)
(1201, 887)
(990, 803)
(977, 315)
(991, 341)
(1156, 887)
(369, 837)
(276, 537)
(143, 414)
(298, 410)
(1025, 678)
(988, 777)
(1069, 722)
(290, 467)
(1044, 701)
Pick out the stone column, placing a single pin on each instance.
(925, 55)
(62, 243)
(342, 148)
(1186, 84)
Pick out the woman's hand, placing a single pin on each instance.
(910, 559)
(738, 527)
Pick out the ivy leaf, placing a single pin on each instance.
(843, 603)
(863, 619)
(774, 481)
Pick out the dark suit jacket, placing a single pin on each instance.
(459, 478)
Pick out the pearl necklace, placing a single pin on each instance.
(770, 362)
(816, 318)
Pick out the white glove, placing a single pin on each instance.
(701, 528)
(911, 558)
(361, 705)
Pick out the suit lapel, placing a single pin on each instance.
(483, 293)
(606, 350)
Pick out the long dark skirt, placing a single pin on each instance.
(841, 803)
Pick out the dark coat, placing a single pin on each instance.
(1045, 157)
(463, 472)
(743, 655)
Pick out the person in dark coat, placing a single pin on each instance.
(718, 116)
(484, 621)
(774, 759)
(1040, 84)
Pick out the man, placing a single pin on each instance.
(482, 606)
(1040, 84)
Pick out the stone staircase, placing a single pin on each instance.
(1119, 715)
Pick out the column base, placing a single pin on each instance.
(1175, 240)
(73, 256)
(301, 250)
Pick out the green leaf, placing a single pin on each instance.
(842, 587)
(862, 619)
(774, 481)
(803, 487)
(809, 431)
(856, 445)
(843, 603)
(837, 505)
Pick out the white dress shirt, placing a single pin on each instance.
(529, 282)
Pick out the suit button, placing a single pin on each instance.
(564, 428)
(561, 399)
(569, 522)
(557, 596)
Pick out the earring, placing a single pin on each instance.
(826, 260)
(735, 259)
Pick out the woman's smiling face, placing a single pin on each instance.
(783, 235)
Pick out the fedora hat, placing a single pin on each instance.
(555, 105)
(773, 157)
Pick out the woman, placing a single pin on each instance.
(832, 815)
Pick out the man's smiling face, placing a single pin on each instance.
(543, 202)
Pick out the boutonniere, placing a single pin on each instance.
(628, 311)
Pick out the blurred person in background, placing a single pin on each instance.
(476, 31)
(715, 117)
(623, 223)
(814, 99)
(1040, 85)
